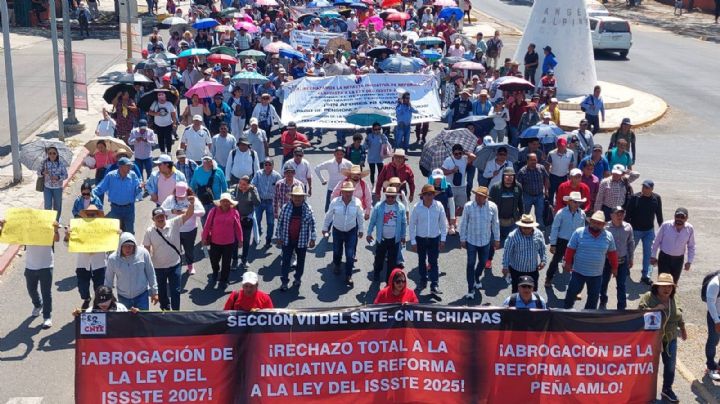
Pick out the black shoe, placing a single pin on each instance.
(85, 305)
(434, 289)
(336, 269)
(213, 278)
(296, 283)
(646, 280)
(244, 265)
(669, 396)
(422, 285)
(233, 265)
(349, 282)
(284, 286)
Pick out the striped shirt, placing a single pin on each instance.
(566, 223)
(187, 168)
(265, 183)
(533, 181)
(523, 253)
(612, 193)
(282, 193)
(307, 225)
(480, 224)
(624, 239)
(673, 242)
(590, 251)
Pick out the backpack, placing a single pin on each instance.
(492, 48)
(514, 297)
(706, 280)
(205, 193)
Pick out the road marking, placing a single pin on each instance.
(25, 400)
(702, 391)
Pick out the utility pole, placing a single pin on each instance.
(14, 139)
(69, 77)
(56, 69)
(129, 38)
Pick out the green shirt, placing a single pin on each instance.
(672, 316)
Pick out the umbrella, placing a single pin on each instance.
(335, 43)
(248, 26)
(429, 41)
(410, 35)
(33, 155)
(291, 54)
(223, 50)
(229, 12)
(515, 84)
(488, 152)
(222, 59)
(330, 14)
(205, 23)
(398, 17)
(318, 4)
(366, 117)
(445, 3)
(399, 64)
(112, 91)
(180, 28)
(340, 23)
(474, 118)
(376, 21)
(376, 52)
(153, 63)
(224, 28)
(360, 6)
(437, 149)
(451, 60)
(205, 89)
(448, 12)
(468, 65)
(193, 52)
(147, 100)
(387, 12)
(252, 53)
(342, 2)
(134, 78)
(267, 3)
(274, 47)
(250, 78)
(173, 21)
(431, 55)
(546, 133)
(390, 3)
(113, 144)
(163, 55)
(302, 19)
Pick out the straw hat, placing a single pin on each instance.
(391, 191)
(90, 212)
(347, 186)
(428, 188)
(298, 191)
(393, 181)
(226, 197)
(400, 153)
(574, 196)
(480, 191)
(527, 221)
(355, 170)
(664, 279)
(598, 216)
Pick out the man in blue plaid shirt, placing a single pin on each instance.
(524, 252)
(294, 234)
(184, 165)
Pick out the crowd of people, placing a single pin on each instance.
(565, 204)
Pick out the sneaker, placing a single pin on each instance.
(296, 283)
(603, 306)
(470, 295)
(669, 396)
(548, 283)
(293, 264)
(244, 265)
(713, 374)
(36, 311)
(434, 289)
(47, 323)
(85, 305)
(488, 264)
(191, 270)
(284, 286)
(579, 296)
(349, 282)
(478, 285)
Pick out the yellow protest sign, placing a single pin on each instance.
(94, 235)
(27, 226)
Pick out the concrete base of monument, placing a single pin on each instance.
(621, 102)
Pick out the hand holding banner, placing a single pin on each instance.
(27, 226)
(94, 235)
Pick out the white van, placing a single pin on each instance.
(596, 9)
(611, 34)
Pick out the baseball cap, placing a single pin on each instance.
(288, 167)
(181, 189)
(618, 169)
(625, 121)
(142, 123)
(253, 121)
(598, 147)
(158, 211)
(197, 118)
(180, 153)
(649, 183)
(292, 124)
(575, 171)
(546, 115)
(618, 209)
(562, 141)
(249, 278)
(340, 149)
(298, 151)
(163, 158)
(681, 212)
(243, 140)
(207, 157)
(526, 280)
(124, 161)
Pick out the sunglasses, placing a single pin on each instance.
(85, 194)
(525, 286)
(680, 217)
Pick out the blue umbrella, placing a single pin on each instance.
(205, 23)
(291, 54)
(250, 78)
(343, 2)
(358, 5)
(366, 117)
(400, 64)
(429, 41)
(318, 4)
(447, 12)
(193, 52)
(330, 14)
(546, 133)
(431, 55)
(341, 24)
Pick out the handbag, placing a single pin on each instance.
(40, 184)
(386, 151)
(169, 243)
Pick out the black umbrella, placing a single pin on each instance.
(134, 78)
(147, 100)
(116, 89)
(376, 52)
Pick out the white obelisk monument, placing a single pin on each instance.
(563, 25)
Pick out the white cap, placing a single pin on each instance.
(163, 158)
(546, 115)
(618, 169)
(249, 277)
(253, 120)
(197, 118)
(575, 171)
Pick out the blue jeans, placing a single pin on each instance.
(555, 182)
(576, 285)
(287, 253)
(475, 253)
(84, 277)
(669, 357)
(349, 240)
(711, 344)
(328, 197)
(402, 136)
(266, 206)
(622, 274)
(126, 215)
(428, 248)
(169, 277)
(647, 237)
(144, 164)
(513, 135)
(53, 200)
(139, 302)
(33, 277)
(539, 203)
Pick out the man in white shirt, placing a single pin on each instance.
(334, 168)
(191, 75)
(303, 170)
(346, 217)
(105, 127)
(479, 232)
(258, 139)
(222, 144)
(585, 138)
(241, 161)
(196, 140)
(561, 161)
(455, 169)
(494, 168)
(428, 230)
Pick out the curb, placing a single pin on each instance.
(515, 31)
(702, 391)
(7, 257)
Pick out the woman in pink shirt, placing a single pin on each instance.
(103, 158)
(222, 232)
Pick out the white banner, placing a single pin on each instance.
(324, 102)
(305, 38)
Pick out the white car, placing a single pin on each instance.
(596, 9)
(611, 34)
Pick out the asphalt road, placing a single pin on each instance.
(668, 153)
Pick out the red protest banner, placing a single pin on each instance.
(424, 354)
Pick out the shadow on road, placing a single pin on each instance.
(64, 338)
(333, 286)
(21, 336)
(67, 284)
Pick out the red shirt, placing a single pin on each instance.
(386, 295)
(390, 170)
(238, 301)
(564, 190)
(287, 139)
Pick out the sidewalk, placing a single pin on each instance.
(695, 25)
